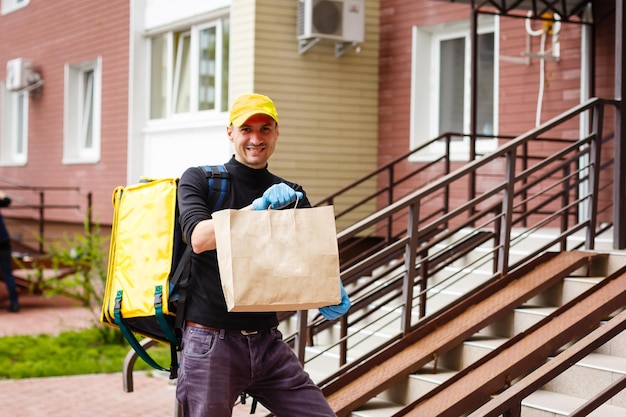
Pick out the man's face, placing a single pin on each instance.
(254, 140)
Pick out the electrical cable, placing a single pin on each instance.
(542, 79)
(546, 28)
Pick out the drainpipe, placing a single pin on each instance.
(474, 104)
(619, 182)
(587, 54)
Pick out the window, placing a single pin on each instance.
(9, 6)
(441, 84)
(13, 127)
(189, 70)
(82, 112)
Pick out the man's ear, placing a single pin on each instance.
(229, 132)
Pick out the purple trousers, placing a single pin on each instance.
(216, 366)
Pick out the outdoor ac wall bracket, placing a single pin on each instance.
(305, 44)
(340, 47)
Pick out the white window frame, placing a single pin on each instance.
(13, 127)
(9, 6)
(173, 76)
(82, 112)
(179, 76)
(425, 87)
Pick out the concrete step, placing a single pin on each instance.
(479, 258)
(360, 342)
(419, 384)
(615, 347)
(589, 376)
(322, 358)
(320, 362)
(527, 241)
(474, 349)
(516, 322)
(437, 300)
(549, 404)
(525, 317)
(567, 290)
(407, 391)
(460, 279)
(574, 286)
(377, 408)
(426, 379)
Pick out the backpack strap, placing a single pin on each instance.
(130, 337)
(217, 182)
(158, 312)
(217, 178)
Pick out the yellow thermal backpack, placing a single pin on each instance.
(149, 262)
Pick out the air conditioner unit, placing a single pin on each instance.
(19, 74)
(339, 20)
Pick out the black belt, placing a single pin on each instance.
(202, 326)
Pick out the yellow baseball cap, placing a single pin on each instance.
(247, 105)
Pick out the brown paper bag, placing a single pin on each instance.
(278, 260)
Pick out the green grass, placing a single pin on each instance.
(70, 353)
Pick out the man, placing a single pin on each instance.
(6, 264)
(218, 360)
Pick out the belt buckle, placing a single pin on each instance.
(249, 332)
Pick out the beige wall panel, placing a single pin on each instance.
(328, 106)
(242, 44)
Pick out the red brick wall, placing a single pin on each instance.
(52, 34)
(519, 84)
(397, 19)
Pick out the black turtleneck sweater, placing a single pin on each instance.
(205, 302)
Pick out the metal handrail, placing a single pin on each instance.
(25, 203)
(390, 178)
(514, 198)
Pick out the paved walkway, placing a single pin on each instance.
(100, 395)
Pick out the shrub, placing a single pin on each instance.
(85, 254)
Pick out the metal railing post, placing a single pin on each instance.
(301, 336)
(564, 203)
(594, 175)
(389, 202)
(410, 255)
(343, 345)
(90, 211)
(41, 221)
(507, 212)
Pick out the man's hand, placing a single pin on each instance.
(336, 311)
(276, 197)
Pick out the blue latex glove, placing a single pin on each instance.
(276, 197)
(336, 311)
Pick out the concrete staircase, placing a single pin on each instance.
(560, 396)
(557, 398)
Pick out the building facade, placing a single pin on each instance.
(146, 90)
